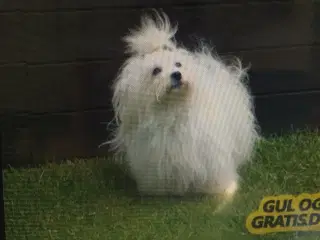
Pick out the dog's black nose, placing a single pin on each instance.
(176, 78)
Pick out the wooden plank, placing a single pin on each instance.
(13, 80)
(81, 35)
(283, 70)
(87, 85)
(56, 87)
(11, 30)
(15, 5)
(283, 112)
(316, 21)
(52, 5)
(36, 139)
(61, 87)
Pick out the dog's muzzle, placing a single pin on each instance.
(176, 79)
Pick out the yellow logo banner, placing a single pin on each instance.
(285, 213)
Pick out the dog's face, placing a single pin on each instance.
(157, 71)
(160, 76)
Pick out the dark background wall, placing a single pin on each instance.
(58, 58)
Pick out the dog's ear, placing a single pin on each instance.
(153, 33)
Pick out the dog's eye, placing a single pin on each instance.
(165, 47)
(178, 64)
(156, 71)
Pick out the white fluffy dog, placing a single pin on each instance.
(185, 119)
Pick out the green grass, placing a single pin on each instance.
(93, 199)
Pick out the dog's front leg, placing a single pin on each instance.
(224, 180)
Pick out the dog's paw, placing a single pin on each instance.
(225, 190)
(231, 189)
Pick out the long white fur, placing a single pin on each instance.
(191, 139)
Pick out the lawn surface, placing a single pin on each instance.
(91, 199)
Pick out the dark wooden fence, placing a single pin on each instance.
(57, 60)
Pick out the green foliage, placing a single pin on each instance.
(94, 199)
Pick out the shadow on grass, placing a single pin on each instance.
(117, 178)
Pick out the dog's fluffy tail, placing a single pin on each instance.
(153, 33)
